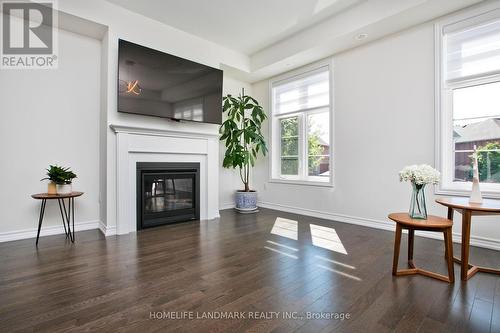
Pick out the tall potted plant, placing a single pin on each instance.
(244, 141)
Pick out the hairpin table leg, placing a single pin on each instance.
(69, 214)
(62, 216)
(73, 217)
(40, 219)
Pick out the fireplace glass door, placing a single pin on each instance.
(167, 196)
(167, 192)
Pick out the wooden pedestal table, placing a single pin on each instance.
(67, 214)
(462, 205)
(433, 223)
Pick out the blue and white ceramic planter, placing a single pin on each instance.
(246, 201)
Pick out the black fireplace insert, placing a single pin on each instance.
(167, 193)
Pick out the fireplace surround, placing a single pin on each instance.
(167, 193)
(139, 144)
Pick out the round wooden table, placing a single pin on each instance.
(467, 209)
(66, 214)
(433, 223)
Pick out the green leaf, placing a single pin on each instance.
(241, 131)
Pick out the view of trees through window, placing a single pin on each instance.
(476, 120)
(318, 145)
(489, 162)
(290, 146)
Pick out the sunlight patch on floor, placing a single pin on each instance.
(281, 252)
(326, 238)
(340, 273)
(335, 262)
(285, 228)
(283, 246)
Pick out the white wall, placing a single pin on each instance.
(384, 120)
(47, 117)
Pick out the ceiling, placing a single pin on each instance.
(279, 35)
(241, 25)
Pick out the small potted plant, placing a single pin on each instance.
(244, 141)
(419, 176)
(60, 179)
(52, 176)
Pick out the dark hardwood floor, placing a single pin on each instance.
(249, 264)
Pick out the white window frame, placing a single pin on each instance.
(444, 153)
(275, 135)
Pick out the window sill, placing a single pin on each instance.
(486, 193)
(301, 182)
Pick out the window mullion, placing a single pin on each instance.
(279, 145)
(299, 119)
(304, 151)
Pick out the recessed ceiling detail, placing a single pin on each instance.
(242, 25)
(279, 35)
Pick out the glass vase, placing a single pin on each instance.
(418, 209)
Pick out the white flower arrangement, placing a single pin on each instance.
(420, 174)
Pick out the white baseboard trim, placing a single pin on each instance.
(45, 231)
(226, 205)
(107, 231)
(488, 243)
(214, 215)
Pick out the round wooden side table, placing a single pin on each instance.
(433, 223)
(467, 209)
(66, 214)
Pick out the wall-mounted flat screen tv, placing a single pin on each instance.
(154, 83)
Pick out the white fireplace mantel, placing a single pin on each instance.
(137, 144)
(160, 132)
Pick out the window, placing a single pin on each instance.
(300, 131)
(468, 102)
(189, 109)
